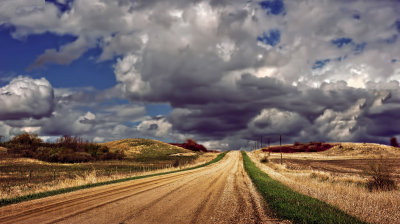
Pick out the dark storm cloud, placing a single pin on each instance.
(267, 107)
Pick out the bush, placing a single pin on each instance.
(380, 177)
(176, 163)
(192, 145)
(66, 149)
(24, 144)
(394, 142)
(26, 139)
(265, 159)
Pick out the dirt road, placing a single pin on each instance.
(219, 193)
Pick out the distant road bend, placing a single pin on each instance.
(218, 193)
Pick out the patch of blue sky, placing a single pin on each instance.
(342, 41)
(83, 72)
(17, 55)
(274, 7)
(392, 39)
(394, 60)
(397, 25)
(132, 123)
(115, 101)
(62, 7)
(272, 38)
(359, 48)
(318, 64)
(356, 16)
(158, 109)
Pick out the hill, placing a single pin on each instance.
(143, 149)
(342, 150)
(362, 149)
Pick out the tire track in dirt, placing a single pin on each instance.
(19, 212)
(148, 205)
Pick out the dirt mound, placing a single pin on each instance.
(137, 147)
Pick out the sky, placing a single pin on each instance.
(222, 72)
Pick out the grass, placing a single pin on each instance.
(144, 150)
(22, 176)
(14, 200)
(342, 187)
(290, 205)
(17, 172)
(346, 150)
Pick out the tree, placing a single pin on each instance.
(394, 142)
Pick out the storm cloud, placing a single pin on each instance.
(232, 71)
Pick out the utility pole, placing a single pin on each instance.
(261, 142)
(280, 144)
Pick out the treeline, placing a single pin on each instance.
(300, 147)
(66, 149)
(191, 145)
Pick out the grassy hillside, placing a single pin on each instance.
(345, 150)
(362, 149)
(145, 149)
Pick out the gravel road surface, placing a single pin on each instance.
(218, 193)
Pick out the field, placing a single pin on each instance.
(340, 176)
(350, 167)
(22, 176)
(291, 205)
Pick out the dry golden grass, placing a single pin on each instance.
(3, 152)
(346, 150)
(347, 192)
(134, 146)
(87, 177)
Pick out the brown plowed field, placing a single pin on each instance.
(219, 193)
(344, 166)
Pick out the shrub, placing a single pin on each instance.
(24, 144)
(176, 163)
(66, 149)
(394, 142)
(192, 145)
(265, 159)
(26, 139)
(380, 177)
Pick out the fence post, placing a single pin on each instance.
(30, 176)
(280, 144)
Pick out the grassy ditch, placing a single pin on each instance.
(9, 201)
(290, 205)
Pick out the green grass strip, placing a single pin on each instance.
(29, 197)
(290, 205)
